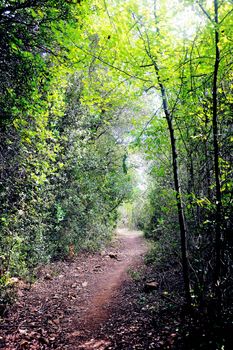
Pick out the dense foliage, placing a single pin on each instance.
(72, 75)
(62, 173)
(186, 70)
(199, 98)
(181, 55)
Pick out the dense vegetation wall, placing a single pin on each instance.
(61, 172)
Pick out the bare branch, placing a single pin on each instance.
(148, 123)
(223, 19)
(147, 65)
(109, 16)
(205, 12)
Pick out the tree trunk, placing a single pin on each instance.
(217, 271)
(169, 119)
(183, 230)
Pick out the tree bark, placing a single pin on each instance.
(169, 119)
(217, 271)
(182, 224)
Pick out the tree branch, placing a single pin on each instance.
(205, 12)
(109, 64)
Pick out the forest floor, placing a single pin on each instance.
(96, 301)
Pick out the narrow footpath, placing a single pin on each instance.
(70, 302)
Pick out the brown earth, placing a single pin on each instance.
(71, 302)
(108, 301)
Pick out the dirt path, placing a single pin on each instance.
(132, 247)
(69, 303)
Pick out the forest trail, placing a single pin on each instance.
(70, 302)
(132, 248)
(104, 295)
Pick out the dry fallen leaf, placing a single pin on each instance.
(23, 331)
(75, 334)
(57, 321)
